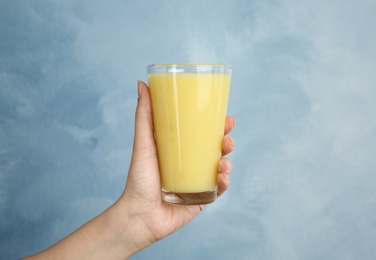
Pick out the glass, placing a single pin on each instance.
(189, 103)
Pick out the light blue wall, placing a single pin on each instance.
(303, 93)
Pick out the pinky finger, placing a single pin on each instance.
(223, 183)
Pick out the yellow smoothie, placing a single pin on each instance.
(189, 111)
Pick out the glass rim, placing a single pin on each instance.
(189, 67)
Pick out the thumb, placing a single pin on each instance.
(144, 132)
(143, 171)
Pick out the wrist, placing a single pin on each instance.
(131, 230)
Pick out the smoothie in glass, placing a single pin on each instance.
(189, 105)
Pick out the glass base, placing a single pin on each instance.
(189, 198)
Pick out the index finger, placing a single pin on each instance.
(230, 122)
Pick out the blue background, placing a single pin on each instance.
(303, 93)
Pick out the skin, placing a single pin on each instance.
(139, 217)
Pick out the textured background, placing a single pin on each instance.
(303, 93)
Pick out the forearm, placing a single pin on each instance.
(114, 234)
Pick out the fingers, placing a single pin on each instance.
(230, 122)
(224, 168)
(223, 183)
(228, 145)
(225, 165)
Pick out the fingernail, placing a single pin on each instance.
(139, 88)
